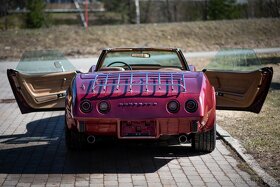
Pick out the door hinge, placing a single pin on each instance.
(61, 95)
(219, 94)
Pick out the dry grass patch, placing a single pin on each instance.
(259, 133)
(190, 36)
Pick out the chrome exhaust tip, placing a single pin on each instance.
(183, 139)
(91, 139)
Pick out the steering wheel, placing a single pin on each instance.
(120, 62)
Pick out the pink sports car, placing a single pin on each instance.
(140, 94)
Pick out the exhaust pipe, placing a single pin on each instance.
(91, 139)
(183, 139)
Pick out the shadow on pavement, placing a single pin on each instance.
(42, 150)
(275, 86)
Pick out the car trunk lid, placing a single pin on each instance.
(139, 84)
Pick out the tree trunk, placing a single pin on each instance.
(205, 10)
(147, 12)
(137, 11)
(168, 11)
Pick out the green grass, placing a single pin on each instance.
(16, 21)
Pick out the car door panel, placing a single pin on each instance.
(245, 91)
(40, 92)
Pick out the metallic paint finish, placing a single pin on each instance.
(140, 104)
(138, 97)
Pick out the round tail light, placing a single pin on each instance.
(173, 106)
(86, 106)
(191, 106)
(104, 107)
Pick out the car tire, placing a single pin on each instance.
(73, 139)
(205, 141)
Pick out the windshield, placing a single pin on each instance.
(142, 58)
(45, 61)
(235, 60)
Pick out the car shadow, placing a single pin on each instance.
(42, 150)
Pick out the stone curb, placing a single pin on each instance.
(241, 152)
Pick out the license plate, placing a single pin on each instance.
(138, 128)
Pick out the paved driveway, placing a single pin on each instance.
(32, 152)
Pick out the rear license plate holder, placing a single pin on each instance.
(138, 129)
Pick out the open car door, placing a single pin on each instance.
(40, 80)
(240, 82)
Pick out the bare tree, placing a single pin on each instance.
(137, 11)
(168, 12)
(175, 9)
(205, 10)
(273, 7)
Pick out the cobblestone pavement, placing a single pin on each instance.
(32, 153)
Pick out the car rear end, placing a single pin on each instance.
(141, 105)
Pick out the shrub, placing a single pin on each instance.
(35, 18)
(223, 9)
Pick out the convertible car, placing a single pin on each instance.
(139, 94)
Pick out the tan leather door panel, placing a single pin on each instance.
(240, 90)
(35, 92)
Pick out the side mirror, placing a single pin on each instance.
(192, 68)
(58, 65)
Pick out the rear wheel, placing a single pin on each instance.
(74, 140)
(205, 142)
